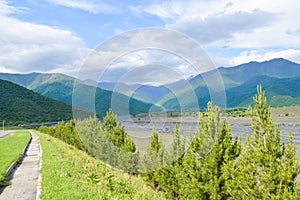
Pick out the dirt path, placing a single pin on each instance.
(25, 181)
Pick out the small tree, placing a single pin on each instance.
(116, 133)
(167, 177)
(204, 171)
(267, 169)
(154, 158)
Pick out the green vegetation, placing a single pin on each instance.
(103, 141)
(217, 167)
(235, 112)
(65, 132)
(19, 105)
(267, 168)
(279, 92)
(10, 149)
(69, 173)
(212, 166)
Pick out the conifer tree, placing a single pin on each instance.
(116, 133)
(205, 164)
(154, 158)
(267, 169)
(167, 177)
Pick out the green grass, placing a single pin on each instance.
(68, 173)
(10, 149)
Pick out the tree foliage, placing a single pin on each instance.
(211, 165)
(19, 105)
(216, 166)
(267, 168)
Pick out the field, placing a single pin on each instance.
(10, 149)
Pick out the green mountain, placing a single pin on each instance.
(60, 87)
(19, 105)
(278, 68)
(279, 78)
(279, 92)
(239, 84)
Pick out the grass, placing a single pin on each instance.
(68, 173)
(10, 149)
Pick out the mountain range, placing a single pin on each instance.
(280, 79)
(61, 87)
(240, 84)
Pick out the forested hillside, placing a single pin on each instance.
(19, 105)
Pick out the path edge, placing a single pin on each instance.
(13, 167)
(39, 186)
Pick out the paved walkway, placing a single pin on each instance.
(5, 133)
(24, 184)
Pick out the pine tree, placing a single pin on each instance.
(154, 159)
(178, 144)
(212, 150)
(116, 134)
(167, 177)
(267, 169)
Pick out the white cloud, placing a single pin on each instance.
(28, 47)
(235, 23)
(146, 47)
(223, 26)
(6, 9)
(255, 55)
(91, 6)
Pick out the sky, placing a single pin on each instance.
(61, 35)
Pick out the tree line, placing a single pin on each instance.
(209, 165)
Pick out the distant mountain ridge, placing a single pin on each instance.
(279, 77)
(240, 83)
(231, 77)
(60, 87)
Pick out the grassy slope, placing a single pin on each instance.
(68, 173)
(10, 149)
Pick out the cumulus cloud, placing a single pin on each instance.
(91, 6)
(28, 47)
(149, 65)
(234, 24)
(223, 26)
(146, 47)
(6, 9)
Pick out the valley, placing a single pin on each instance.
(111, 153)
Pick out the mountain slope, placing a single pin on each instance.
(240, 84)
(279, 92)
(278, 68)
(60, 87)
(244, 78)
(20, 105)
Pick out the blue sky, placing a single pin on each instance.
(58, 35)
